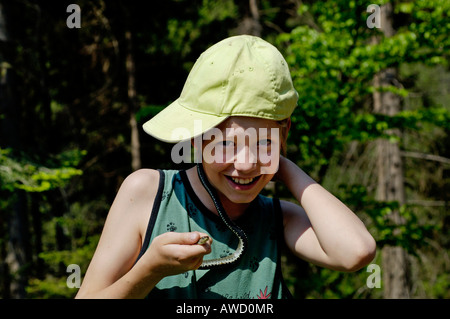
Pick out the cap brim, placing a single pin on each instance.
(176, 123)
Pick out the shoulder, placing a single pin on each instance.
(141, 182)
(137, 193)
(142, 177)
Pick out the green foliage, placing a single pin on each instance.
(333, 65)
(54, 285)
(31, 177)
(49, 288)
(409, 234)
(333, 60)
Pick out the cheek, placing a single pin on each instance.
(214, 170)
(219, 167)
(265, 179)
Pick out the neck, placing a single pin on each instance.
(233, 210)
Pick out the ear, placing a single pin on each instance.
(285, 129)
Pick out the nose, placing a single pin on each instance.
(246, 159)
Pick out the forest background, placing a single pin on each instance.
(372, 126)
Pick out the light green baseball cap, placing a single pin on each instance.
(238, 76)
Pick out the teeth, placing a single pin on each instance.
(242, 181)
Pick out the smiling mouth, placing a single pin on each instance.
(243, 181)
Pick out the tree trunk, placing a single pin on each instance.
(395, 263)
(131, 92)
(250, 24)
(16, 257)
(39, 267)
(17, 243)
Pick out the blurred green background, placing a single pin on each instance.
(372, 126)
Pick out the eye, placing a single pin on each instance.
(264, 142)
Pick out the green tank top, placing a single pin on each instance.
(257, 274)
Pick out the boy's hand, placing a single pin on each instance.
(175, 253)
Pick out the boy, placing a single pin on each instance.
(206, 232)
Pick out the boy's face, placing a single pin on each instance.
(241, 156)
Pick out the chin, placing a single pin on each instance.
(242, 199)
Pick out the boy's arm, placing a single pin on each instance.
(323, 230)
(112, 272)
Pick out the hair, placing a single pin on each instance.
(284, 126)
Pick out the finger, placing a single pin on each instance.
(191, 238)
(187, 253)
(180, 238)
(198, 249)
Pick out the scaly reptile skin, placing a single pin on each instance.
(242, 245)
(203, 240)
